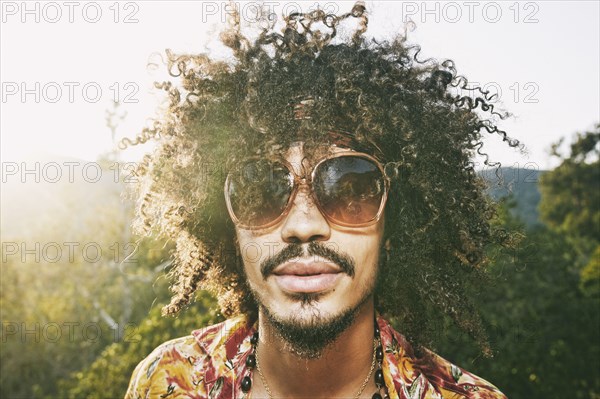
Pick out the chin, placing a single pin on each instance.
(309, 322)
(307, 329)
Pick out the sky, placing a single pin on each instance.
(63, 63)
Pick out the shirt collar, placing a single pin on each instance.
(226, 345)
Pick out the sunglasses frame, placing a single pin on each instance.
(300, 180)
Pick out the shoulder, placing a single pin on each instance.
(452, 379)
(430, 375)
(177, 368)
(170, 363)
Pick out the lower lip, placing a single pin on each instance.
(314, 283)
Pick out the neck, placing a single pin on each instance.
(338, 372)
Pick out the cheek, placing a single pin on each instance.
(253, 250)
(247, 248)
(365, 253)
(371, 257)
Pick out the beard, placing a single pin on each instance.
(307, 337)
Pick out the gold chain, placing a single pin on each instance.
(364, 384)
(262, 377)
(360, 391)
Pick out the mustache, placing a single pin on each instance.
(291, 251)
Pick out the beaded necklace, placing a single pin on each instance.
(252, 362)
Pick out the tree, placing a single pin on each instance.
(118, 360)
(62, 305)
(571, 203)
(543, 328)
(570, 193)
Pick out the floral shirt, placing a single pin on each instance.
(211, 363)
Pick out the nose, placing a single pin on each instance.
(305, 222)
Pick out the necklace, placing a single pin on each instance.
(360, 391)
(252, 362)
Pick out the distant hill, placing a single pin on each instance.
(522, 184)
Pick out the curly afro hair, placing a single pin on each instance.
(437, 216)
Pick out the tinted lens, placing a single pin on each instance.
(349, 189)
(259, 192)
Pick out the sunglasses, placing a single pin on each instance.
(349, 188)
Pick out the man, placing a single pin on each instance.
(349, 198)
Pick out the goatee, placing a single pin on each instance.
(307, 337)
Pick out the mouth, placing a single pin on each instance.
(307, 277)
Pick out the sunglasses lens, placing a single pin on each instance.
(259, 191)
(349, 189)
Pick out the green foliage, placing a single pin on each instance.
(58, 317)
(546, 333)
(543, 312)
(61, 307)
(46, 328)
(590, 275)
(570, 193)
(117, 362)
